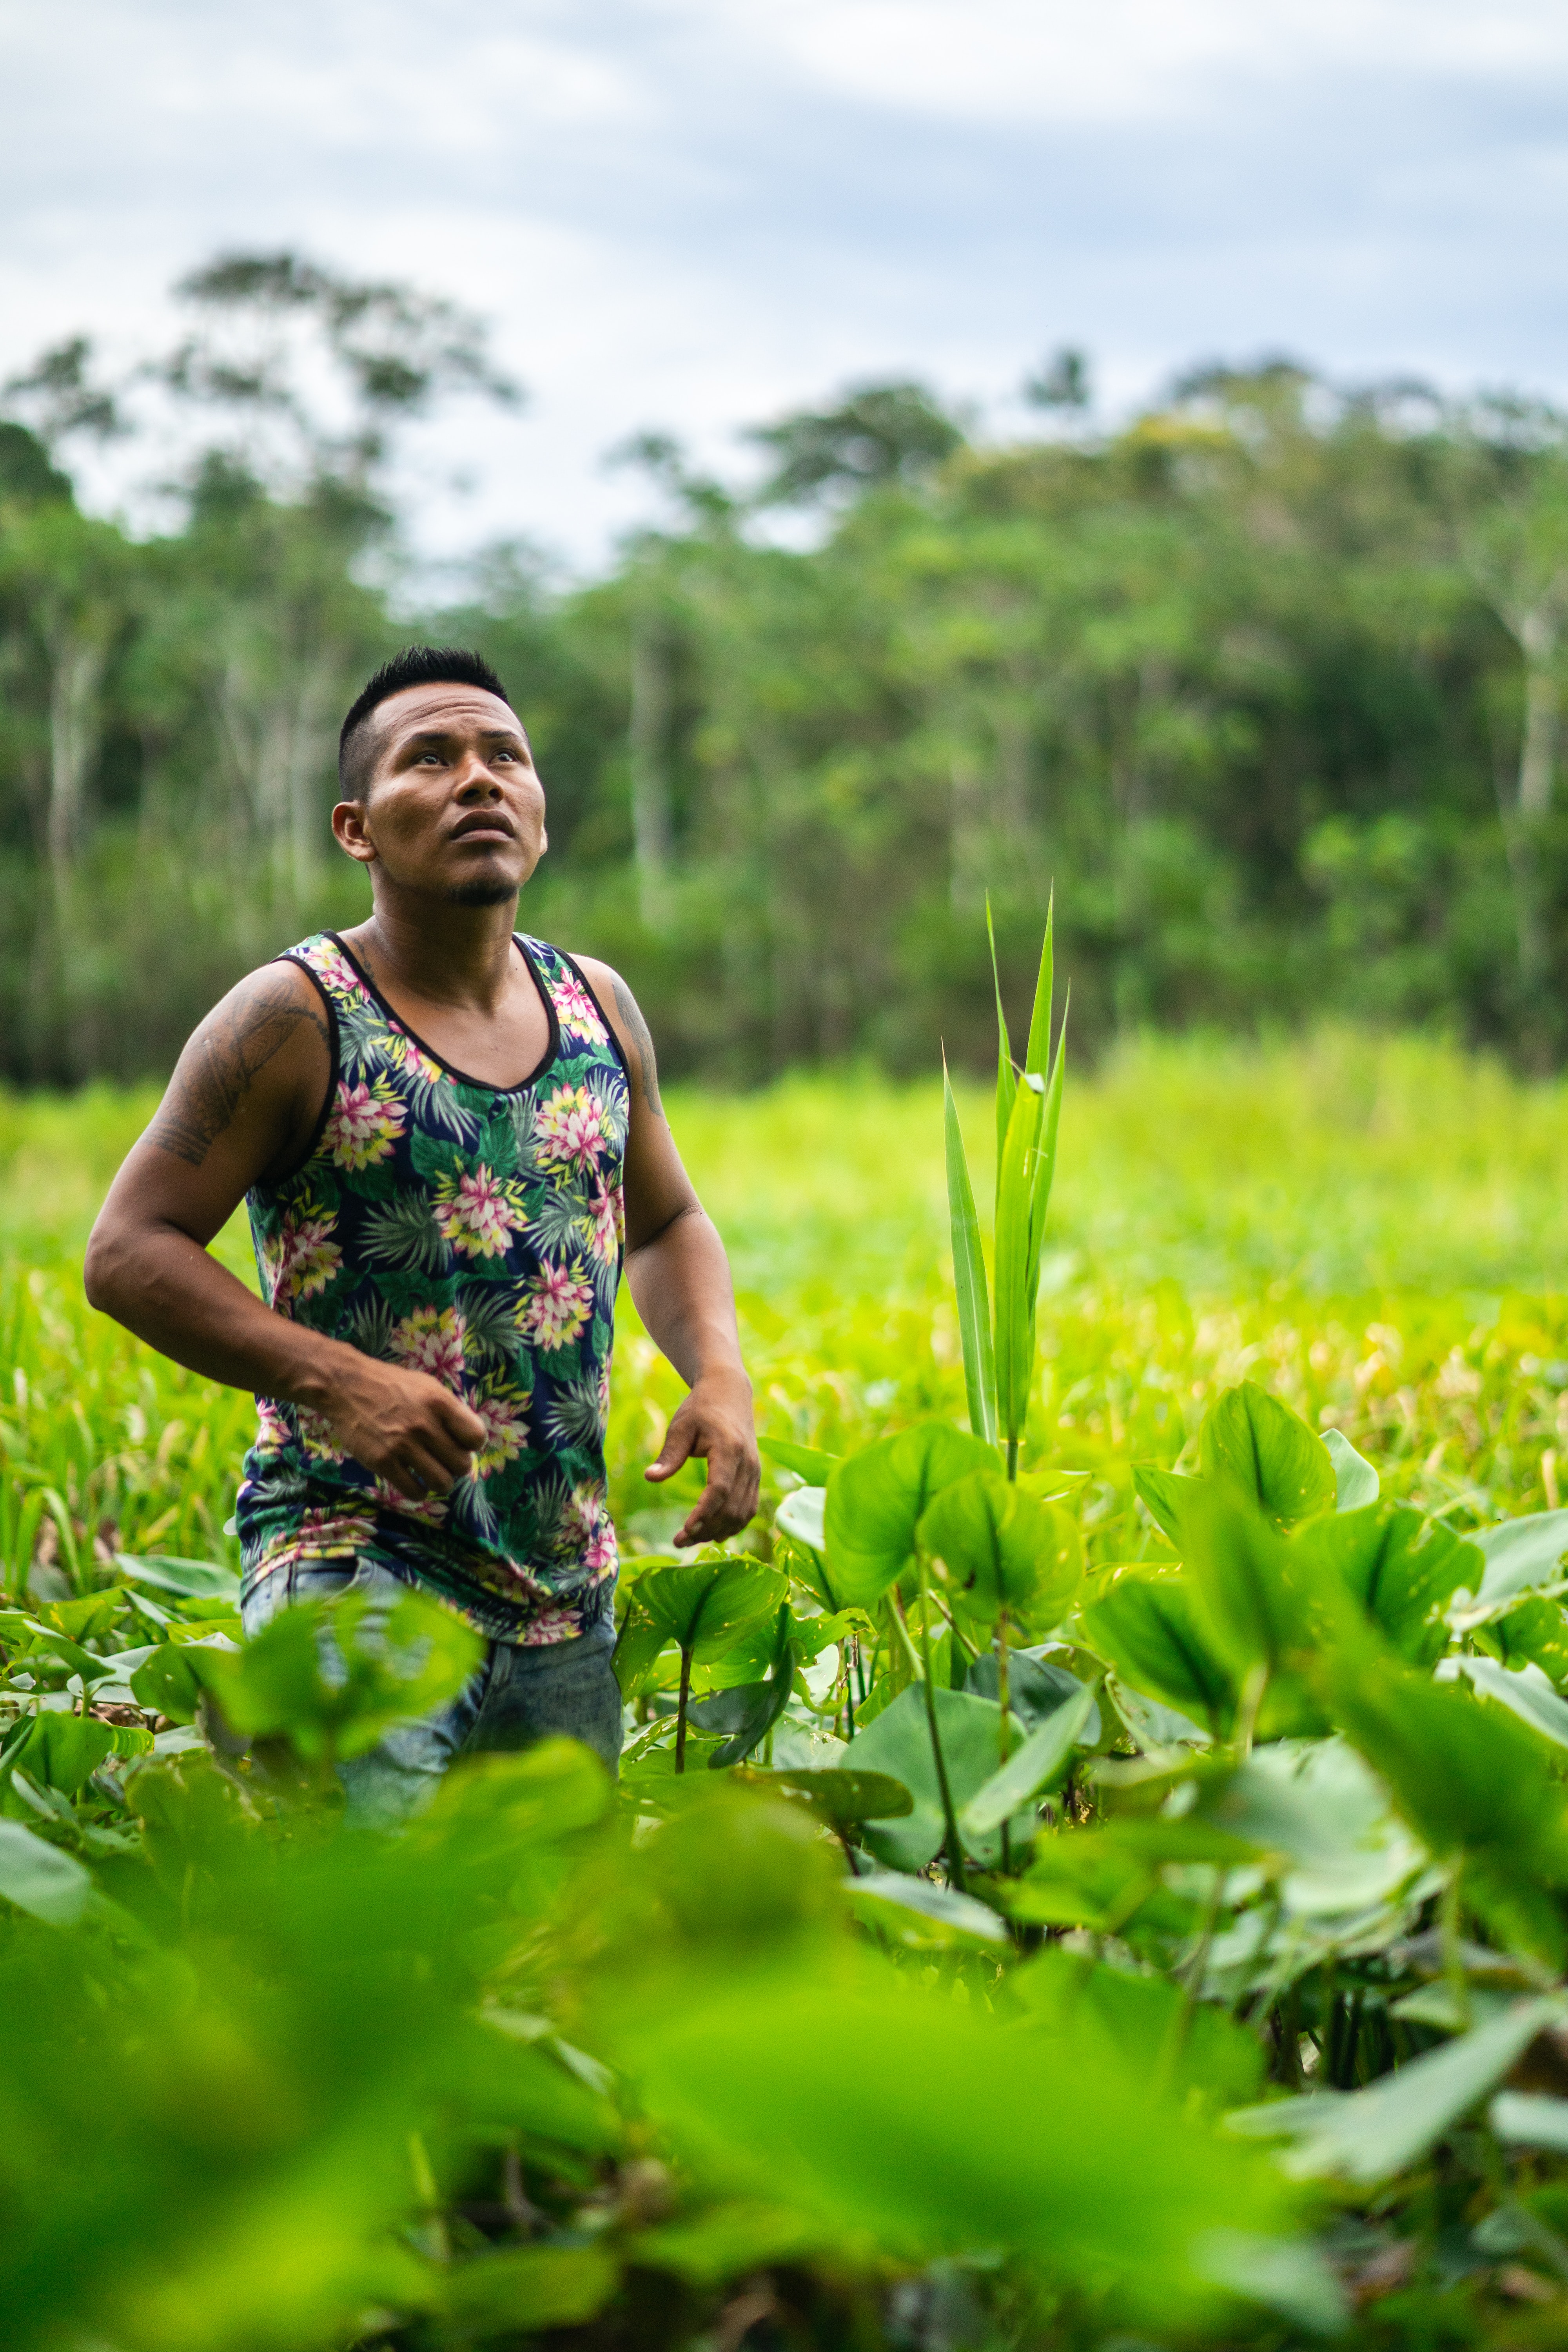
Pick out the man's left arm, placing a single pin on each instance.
(680, 1278)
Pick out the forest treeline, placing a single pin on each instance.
(1265, 682)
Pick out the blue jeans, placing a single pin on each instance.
(514, 1696)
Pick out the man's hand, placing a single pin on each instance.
(715, 1425)
(404, 1426)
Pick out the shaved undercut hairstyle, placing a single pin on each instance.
(414, 665)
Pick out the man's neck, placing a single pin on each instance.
(443, 954)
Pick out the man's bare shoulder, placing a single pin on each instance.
(626, 1017)
(262, 1051)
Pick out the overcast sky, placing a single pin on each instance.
(693, 214)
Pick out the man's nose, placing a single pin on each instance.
(477, 780)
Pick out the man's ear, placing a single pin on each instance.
(352, 832)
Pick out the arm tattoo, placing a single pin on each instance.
(627, 1007)
(236, 1045)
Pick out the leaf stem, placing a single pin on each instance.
(680, 1710)
(954, 1844)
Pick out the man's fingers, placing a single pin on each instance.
(675, 1451)
(467, 1429)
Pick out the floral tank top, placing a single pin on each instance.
(474, 1233)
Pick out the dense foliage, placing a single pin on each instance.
(1267, 680)
(1112, 1904)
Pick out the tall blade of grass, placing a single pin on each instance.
(969, 1277)
(1037, 1051)
(1015, 1306)
(1007, 1075)
(1046, 1161)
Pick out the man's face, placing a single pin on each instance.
(454, 809)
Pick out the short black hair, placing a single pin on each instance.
(414, 665)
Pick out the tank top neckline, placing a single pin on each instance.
(449, 1068)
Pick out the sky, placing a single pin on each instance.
(693, 214)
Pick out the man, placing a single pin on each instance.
(449, 1139)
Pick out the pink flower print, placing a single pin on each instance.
(429, 1510)
(606, 1223)
(506, 1430)
(408, 1057)
(272, 1432)
(558, 1305)
(334, 968)
(479, 1214)
(316, 1436)
(575, 1010)
(597, 1533)
(364, 1124)
(572, 1128)
(562, 1623)
(431, 1341)
(309, 1259)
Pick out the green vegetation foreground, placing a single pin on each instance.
(308, 2093)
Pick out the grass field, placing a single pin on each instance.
(1378, 1229)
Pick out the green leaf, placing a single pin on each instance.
(1268, 1453)
(899, 1743)
(799, 1516)
(876, 1499)
(1239, 1567)
(1520, 1554)
(1523, 1690)
(168, 1683)
(1316, 1806)
(1531, 2119)
(1014, 1215)
(806, 1461)
(1007, 1075)
(1045, 1169)
(844, 1799)
(1149, 1628)
(527, 2287)
(1036, 1688)
(702, 1604)
(1097, 2011)
(1038, 1050)
(921, 1916)
(64, 1751)
(1401, 1568)
(1032, 1770)
(335, 1675)
(969, 1277)
(748, 1711)
(1002, 1548)
(1367, 2136)
(38, 1878)
(1356, 1483)
(203, 1579)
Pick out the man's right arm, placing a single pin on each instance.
(241, 1106)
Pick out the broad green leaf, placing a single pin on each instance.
(199, 1578)
(1000, 1548)
(916, 1912)
(799, 1516)
(65, 1750)
(1107, 2012)
(1263, 1600)
(335, 1677)
(1531, 2119)
(1040, 1765)
(1149, 1628)
(747, 1712)
(806, 1461)
(523, 2288)
(844, 1797)
(1165, 1494)
(1036, 1688)
(969, 1277)
(1401, 1568)
(1268, 1453)
(1523, 1690)
(1091, 1878)
(702, 1604)
(876, 1499)
(1316, 1804)
(168, 1683)
(1356, 1483)
(1520, 1554)
(899, 1743)
(726, 2241)
(38, 1877)
(1367, 2136)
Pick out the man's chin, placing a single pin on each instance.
(484, 890)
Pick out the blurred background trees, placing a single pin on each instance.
(1269, 681)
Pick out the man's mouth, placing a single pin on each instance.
(488, 827)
